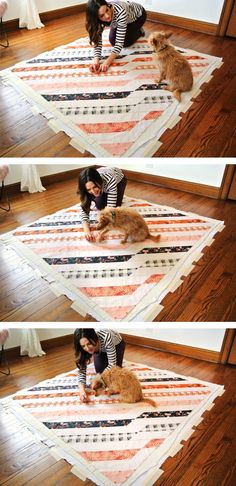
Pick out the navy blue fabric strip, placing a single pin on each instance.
(114, 258)
(114, 423)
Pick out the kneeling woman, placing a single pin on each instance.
(104, 186)
(107, 348)
(125, 19)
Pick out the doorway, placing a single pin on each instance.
(228, 185)
(227, 24)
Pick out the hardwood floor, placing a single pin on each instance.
(207, 294)
(206, 130)
(206, 459)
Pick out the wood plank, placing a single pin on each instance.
(18, 456)
(29, 473)
(203, 459)
(211, 276)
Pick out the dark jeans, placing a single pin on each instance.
(101, 201)
(101, 361)
(132, 33)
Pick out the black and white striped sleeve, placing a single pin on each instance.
(82, 375)
(109, 346)
(122, 22)
(111, 352)
(111, 189)
(84, 216)
(98, 49)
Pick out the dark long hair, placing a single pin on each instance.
(94, 25)
(90, 174)
(82, 358)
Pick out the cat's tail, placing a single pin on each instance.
(177, 95)
(150, 401)
(154, 237)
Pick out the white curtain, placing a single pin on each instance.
(30, 344)
(29, 16)
(30, 180)
(3, 7)
(4, 333)
(4, 169)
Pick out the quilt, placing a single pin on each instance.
(109, 280)
(109, 442)
(121, 113)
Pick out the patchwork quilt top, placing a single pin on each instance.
(109, 280)
(121, 113)
(110, 442)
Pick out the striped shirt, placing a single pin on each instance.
(108, 340)
(124, 13)
(111, 176)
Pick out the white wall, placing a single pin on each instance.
(210, 174)
(46, 169)
(208, 11)
(13, 11)
(210, 339)
(202, 173)
(43, 169)
(14, 338)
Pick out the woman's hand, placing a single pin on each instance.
(94, 384)
(83, 394)
(107, 63)
(96, 66)
(87, 231)
(89, 236)
(104, 67)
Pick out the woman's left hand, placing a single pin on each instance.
(104, 67)
(106, 64)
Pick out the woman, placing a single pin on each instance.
(107, 348)
(125, 19)
(105, 186)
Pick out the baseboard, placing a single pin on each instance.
(62, 12)
(12, 25)
(180, 349)
(60, 176)
(185, 186)
(57, 341)
(185, 23)
(12, 353)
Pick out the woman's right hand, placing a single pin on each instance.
(95, 67)
(89, 236)
(83, 395)
(87, 232)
